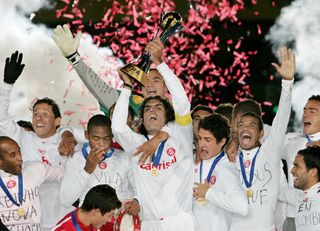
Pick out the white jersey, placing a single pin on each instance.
(164, 191)
(114, 171)
(34, 148)
(266, 180)
(293, 143)
(34, 174)
(307, 206)
(225, 196)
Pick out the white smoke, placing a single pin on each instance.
(299, 24)
(47, 73)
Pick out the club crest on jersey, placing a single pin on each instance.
(171, 151)
(213, 180)
(196, 170)
(103, 165)
(11, 184)
(247, 163)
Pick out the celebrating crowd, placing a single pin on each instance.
(153, 164)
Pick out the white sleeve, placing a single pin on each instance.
(77, 133)
(181, 104)
(289, 194)
(8, 126)
(280, 121)
(121, 131)
(74, 182)
(180, 100)
(232, 198)
(53, 173)
(105, 94)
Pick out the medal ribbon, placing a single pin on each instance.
(157, 156)
(85, 146)
(243, 171)
(74, 221)
(213, 165)
(20, 190)
(309, 139)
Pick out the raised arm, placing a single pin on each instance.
(12, 71)
(180, 100)
(121, 131)
(279, 125)
(68, 45)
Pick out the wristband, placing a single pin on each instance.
(74, 58)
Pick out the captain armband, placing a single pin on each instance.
(183, 120)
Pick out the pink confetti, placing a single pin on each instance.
(267, 103)
(259, 29)
(192, 54)
(68, 16)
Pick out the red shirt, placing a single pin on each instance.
(66, 224)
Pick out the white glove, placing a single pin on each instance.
(65, 40)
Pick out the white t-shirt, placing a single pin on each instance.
(34, 148)
(34, 174)
(266, 178)
(169, 193)
(224, 198)
(293, 143)
(114, 171)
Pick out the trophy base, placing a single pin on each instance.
(135, 73)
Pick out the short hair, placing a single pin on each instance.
(25, 124)
(2, 140)
(314, 97)
(311, 157)
(258, 117)
(102, 197)
(201, 107)
(218, 125)
(98, 121)
(225, 109)
(50, 102)
(167, 107)
(248, 105)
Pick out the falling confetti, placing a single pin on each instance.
(194, 54)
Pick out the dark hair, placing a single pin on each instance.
(311, 157)
(200, 108)
(98, 121)
(102, 197)
(225, 109)
(254, 115)
(167, 107)
(50, 102)
(25, 124)
(218, 125)
(4, 139)
(314, 97)
(248, 105)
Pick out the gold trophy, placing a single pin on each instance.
(170, 24)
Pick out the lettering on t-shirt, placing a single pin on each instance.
(260, 184)
(9, 211)
(162, 165)
(308, 215)
(31, 227)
